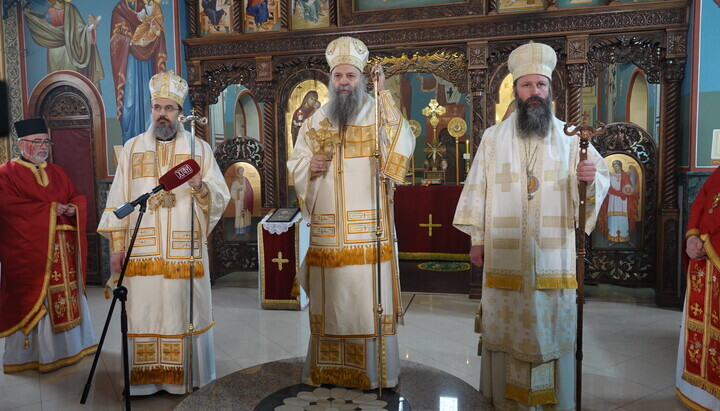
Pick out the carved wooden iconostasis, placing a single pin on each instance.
(464, 46)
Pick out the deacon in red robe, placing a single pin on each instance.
(44, 314)
(698, 362)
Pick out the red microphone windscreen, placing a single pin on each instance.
(179, 174)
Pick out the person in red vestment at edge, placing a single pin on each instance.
(44, 315)
(698, 362)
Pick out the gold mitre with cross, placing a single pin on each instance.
(347, 50)
(532, 58)
(168, 85)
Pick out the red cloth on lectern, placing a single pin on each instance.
(413, 205)
(29, 231)
(279, 282)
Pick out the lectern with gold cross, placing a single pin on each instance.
(281, 248)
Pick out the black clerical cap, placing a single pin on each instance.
(30, 126)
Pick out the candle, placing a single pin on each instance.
(467, 145)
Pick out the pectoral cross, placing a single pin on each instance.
(430, 225)
(280, 260)
(716, 199)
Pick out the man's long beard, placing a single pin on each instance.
(533, 119)
(342, 107)
(166, 132)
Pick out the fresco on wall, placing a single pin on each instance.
(310, 14)
(506, 6)
(620, 219)
(243, 214)
(215, 17)
(137, 52)
(368, 5)
(115, 45)
(71, 42)
(262, 15)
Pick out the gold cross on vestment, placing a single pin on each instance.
(506, 177)
(430, 225)
(716, 199)
(696, 309)
(280, 260)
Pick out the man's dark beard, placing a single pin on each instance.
(166, 132)
(342, 107)
(533, 119)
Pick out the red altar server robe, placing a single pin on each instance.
(702, 310)
(40, 251)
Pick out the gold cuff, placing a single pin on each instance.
(118, 241)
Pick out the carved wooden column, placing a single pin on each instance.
(198, 97)
(477, 71)
(668, 229)
(273, 173)
(193, 17)
(577, 49)
(492, 7)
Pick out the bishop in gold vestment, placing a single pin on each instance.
(333, 167)
(520, 206)
(158, 274)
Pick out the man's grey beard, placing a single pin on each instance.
(343, 107)
(166, 132)
(38, 158)
(533, 120)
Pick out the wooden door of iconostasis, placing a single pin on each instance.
(74, 116)
(236, 129)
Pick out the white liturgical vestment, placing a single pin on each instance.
(341, 261)
(521, 202)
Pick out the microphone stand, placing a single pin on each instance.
(119, 293)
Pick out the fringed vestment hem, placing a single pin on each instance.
(530, 398)
(345, 377)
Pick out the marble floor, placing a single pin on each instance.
(630, 349)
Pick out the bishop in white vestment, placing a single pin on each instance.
(158, 274)
(520, 207)
(333, 166)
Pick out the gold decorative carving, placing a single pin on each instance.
(449, 65)
(577, 48)
(263, 65)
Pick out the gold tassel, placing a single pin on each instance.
(295, 291)
(27, 343)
